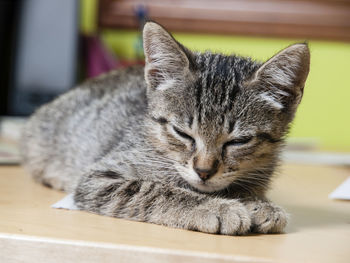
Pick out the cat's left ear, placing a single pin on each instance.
(282, 78)
(166, 61)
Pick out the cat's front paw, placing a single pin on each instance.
(227, 217)
(267, 217)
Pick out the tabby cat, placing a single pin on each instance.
(189, 141)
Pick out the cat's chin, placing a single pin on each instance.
(206, 187)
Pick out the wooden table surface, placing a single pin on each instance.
(31, 231)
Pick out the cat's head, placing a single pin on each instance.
(221, 118)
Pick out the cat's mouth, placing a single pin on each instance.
(216, 183)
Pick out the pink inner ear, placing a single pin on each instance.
(154, 76)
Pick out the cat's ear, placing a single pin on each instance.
(283, 77)
(166, 61)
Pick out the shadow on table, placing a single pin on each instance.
(315, 217)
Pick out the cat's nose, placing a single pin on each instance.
(205, 173)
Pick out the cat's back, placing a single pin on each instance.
(76, 129)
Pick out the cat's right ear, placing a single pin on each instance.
(166, 61)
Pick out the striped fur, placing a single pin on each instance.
(191, 141)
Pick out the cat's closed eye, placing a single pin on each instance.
(183, 135)
(238, 141)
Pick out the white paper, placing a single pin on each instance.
(66, 203)
(342, 191)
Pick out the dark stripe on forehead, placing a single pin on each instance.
(223, 95)
(210, 71)
(231, 125)
(222, 67)
(190, 121)
(198, 94)
(232, 93)
(239, 69)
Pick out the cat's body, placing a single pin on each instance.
(83, 126)
(194, 146)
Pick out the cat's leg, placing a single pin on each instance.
(112, 194)
(266, 217)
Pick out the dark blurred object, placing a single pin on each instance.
(8, 18)
(99, 58)
(142, 17)
(310, 19)
(45, 55)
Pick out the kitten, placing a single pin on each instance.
(190, 142)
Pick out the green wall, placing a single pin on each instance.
(323, 116)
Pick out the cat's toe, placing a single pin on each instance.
(222, 217)
(205, 221)
(267, 218)
(279, 220)
(234, 220)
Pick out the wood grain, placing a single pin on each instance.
(31, 231)
(282, 18)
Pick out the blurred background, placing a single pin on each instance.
(48, 46)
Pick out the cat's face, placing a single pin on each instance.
(220, 118)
